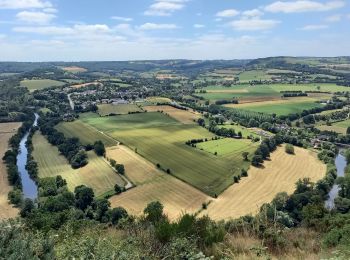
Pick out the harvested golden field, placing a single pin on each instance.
(158, 100)
(6, 131)
(183, 116)
(74, 69)
(276, 101)
(152, 184)
(230, 90)
(97, 174)
(86, 84)
(262, 184)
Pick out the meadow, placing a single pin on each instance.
(37, 84)
(183, 116)
(262, 184)
(339, 127)
(107, 109)
(97, 174)
(88, 136)
(161, 139)
(6, 210)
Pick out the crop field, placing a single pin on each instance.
(97, 174)
(279, 107)
(247, 93)
(107, 109)
(6, 131)
(86, 133)
(226, 146)
(158, 100)
(251, 75)
(339, 127)
(262, 184)
(36, 84)
(153, 184)
(183, 116)
(161, 140)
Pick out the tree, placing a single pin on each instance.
(27, 208)
(348, 130)
(99, 148)
(154, 211)
(245, 156)
(102, 206)
(117, 214)
(289, 149)
(201, 122)
(118, 189)
(120, 168)
(84, 196)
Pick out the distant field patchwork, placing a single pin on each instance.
(37, 84)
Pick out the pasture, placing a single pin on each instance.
(6, 131)
(97, 174)
(86, 133)
(279, 107)
(161, 140)
(158, 100)
(37, 84)
(153, 184)
(183, 116)
(238, 128)
(262, 184)
(121, 109)
(226, 146)
(339, 127)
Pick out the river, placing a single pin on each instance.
(30, 189)
(340, 164)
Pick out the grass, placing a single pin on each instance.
(158, 100)
(85, 133)
(279, 107)
(97, 174)
(226, 146)
(37, 84)
(183, 116)
(339, 127)
(153, 184)
(161, 139)
(107, 109)
(262, 184)
(6, 131)
(238, 128)
(251, 75)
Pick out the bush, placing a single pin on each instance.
(289, 149)
(15, 197)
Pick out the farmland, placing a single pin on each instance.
(121, 109)
(35, 84)
(161, 140)
(153, 184)
(88, 136)
(339, 127)
(6, 131)
(262, 184)
(97, 174)
(183, 116)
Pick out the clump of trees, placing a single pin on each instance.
(99, 148)
(117, 166)
(289, 148)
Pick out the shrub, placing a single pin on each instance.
(289, 149)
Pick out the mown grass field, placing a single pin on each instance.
(251, 75)
(6, 210)
(122, 109)
(86, 133)
(238, 128)
(36, 84)
(97, 174)
(339, 127)
(279, 107)
(153, 184)
(183, 116)
(158, 100)
(262, 184)
(161, 139)
(226, 146)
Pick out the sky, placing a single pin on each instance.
(87, 30)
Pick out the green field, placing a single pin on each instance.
(339, 127)
(280, 108)
(86, 133)
(226, 146)
(251, 75)
(36, 84)
(107, 109)
(238, 128)
(97, 174)
(161, 139)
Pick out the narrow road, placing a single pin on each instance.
(71, 103)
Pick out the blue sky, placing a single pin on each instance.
(73, 30)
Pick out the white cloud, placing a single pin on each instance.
(252, 13)
(165, 7)
(254, 24)
(35, 17)
(314, 27)
(303, 6)
(334, 18)
(227, 13)
(45, 30)
(50, 10)
(24, 4)
(120, 18)
(198, 26)
(160, 26)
